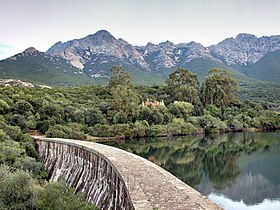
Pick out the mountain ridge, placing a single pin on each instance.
(94, 55)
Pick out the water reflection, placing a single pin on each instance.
(228, 204)
(237, 166)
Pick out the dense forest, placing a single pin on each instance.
(182, 106)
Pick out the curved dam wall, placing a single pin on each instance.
(115, 179)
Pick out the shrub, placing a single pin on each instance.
(18, 189)
(211, 124)
(60, 131)
(140, 128)
(100, 130)
(58, 196)
(157, 130)
(180, 127)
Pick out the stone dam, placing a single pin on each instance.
(115, 179)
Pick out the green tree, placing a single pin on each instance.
(18, 190)
(181, 109)
(124, 99)
(22, 106)
(57, 196)
(120, 77)
(4, 107)
(94, 116)
(219, 88)
(182, 85)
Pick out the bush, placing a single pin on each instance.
(213, 111)
(212, 124)
(57, 196)
(181, 109)
(18, 189)
(121, 130)
(10, 151)
(94, 116)
(157, 130)
(3, 136)
(236, 125)
(180, 127)
(60, 131)
(29, 164)
(140, 129)
(100, 130)
(4, 107)
(43, 126)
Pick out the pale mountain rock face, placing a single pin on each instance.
(80, 51)
(102, 48)
(164, 57)
(245, 49)
(193, 51)
(169, 55)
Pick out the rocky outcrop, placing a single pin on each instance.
(116, 179)
(245, 49)
(169, 55)
(100, 47)
(93, 51)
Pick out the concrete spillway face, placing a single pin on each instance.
(86, 171)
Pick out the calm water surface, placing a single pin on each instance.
(236, 170)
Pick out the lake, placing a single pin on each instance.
(236, 170)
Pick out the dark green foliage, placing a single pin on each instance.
(60, 131)
(57, 196)
(180, 127)
(181, 109)
(260, 93)
(124, 99)
(152, 115)
(157, 130)
(116, 110)
(4, 107)
(219, 88)
(20, 191)
(266, 69)
(120, 77)
(182, 85)
(94, 116)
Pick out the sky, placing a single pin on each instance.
(42, 23)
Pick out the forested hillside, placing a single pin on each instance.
(182, 106)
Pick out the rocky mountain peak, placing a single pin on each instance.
(244, 37)
(166, 44)
(103, 33)
(100, 37)
(30, 50)
(55, 46)
(96, 49)
(101, 48)
(245, 49)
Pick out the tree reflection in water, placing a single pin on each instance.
(221, 163)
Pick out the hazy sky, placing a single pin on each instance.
(41, 23)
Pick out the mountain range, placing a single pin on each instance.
(88, 60)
